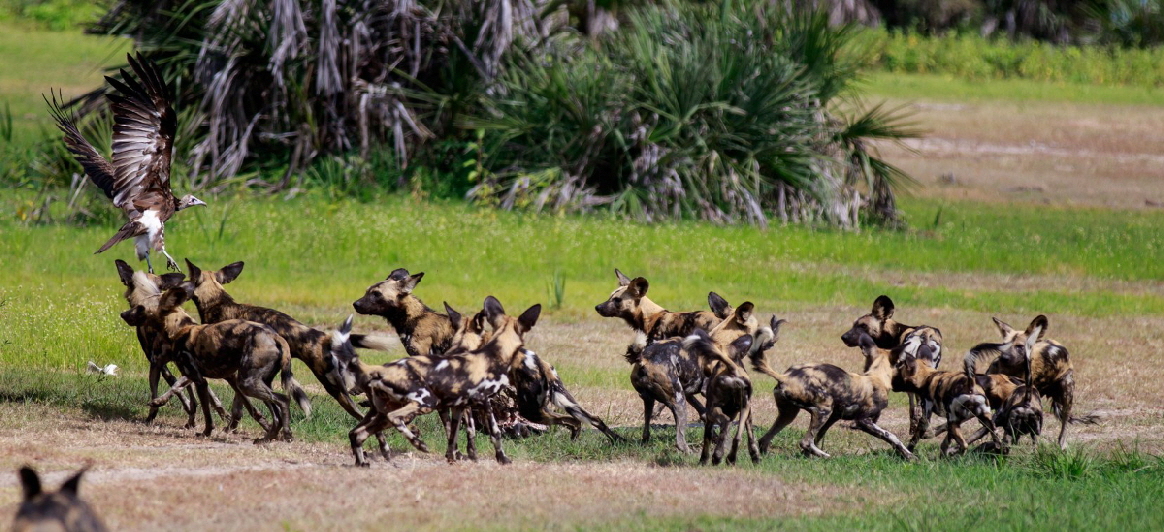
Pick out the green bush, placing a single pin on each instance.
(979, 58)
(56, 15)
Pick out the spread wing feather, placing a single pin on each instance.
(96, 167)
(143, 131)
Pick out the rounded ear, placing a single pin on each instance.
(195, 272)
(173, 298)
(883, 307)
(454, 316)
(124, 272)
(623, 280)
(1003, 328)
(1038, 327)
(30, 481)
(170, 280)
(742, 344)
(494, 312)
(411, 283)
(719, 306)
(701, 334)
(229, 272)
(71, 486)
(638, 287)
(744, 311)
(528, 318)
(399, 274)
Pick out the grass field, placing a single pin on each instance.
(1045, 212)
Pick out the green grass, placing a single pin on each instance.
(950, 87)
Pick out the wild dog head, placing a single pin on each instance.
(1038, 328)
(507, 329)
(920, 335)
(141, 286)
(205, 285)
(388, 295)
(60, 510)
(629, 301)
(741, 321)
(470, 330)
(878, 324)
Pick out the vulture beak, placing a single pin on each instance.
(195, 202)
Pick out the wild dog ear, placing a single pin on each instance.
(528, 318)
(124, 272)
(454, 316)
(170, 280)
(623, 280)
(742, 344)
(638, 288)
(1003, 328)
(71, 486)
(719, 306)
(173, 298)
(195, 272)
(229, 272)
(410, 283)
(744, 312)
(1033, 338)
(30, 481)
(135, 316)
(399, 274)
(1038, 327)
(494, 312)
(883, 307)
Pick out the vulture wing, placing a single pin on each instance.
(143, 132)
(96, 167)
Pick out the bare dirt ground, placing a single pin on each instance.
(161, 477)
(1060, 153)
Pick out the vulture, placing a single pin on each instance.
(138, 178)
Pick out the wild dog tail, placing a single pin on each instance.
(701, 343)
(634, 352)
(290, 385)
(760, 363)
(1029, 349)
(982, 351)
(373, 341)
(1089, 419)
(562, 398)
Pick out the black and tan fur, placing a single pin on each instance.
(667, 373)
(246, 354)
(62, 510)
(154, 344)
(309, 345)
(729, 396)
(417, 385)
(888, 333)
(652, 322)
(829, 394)
(1052, 374)
(954, 394)
(422, 330)
(1019, 409)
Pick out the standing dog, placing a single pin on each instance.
(62, 510)
(245, 354)
(414, 386)
(830, 394)
(1052, 374)
(729, 396)
(652, 322)
(670, 374)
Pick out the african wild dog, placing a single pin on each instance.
(309, 345)
(887, 333)
(154, 343)
(245, 354)
(729, 396)
(422, 330)
(1051, 371)
(830, 394)
(1020, 412)
(652, 322)
(414, 386)
(670, 374)
(62, 510)
(956, 395)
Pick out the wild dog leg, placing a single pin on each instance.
(204, 396)
(818, 416)
(694, 401)
(753, 449)
(786, 416)
(870, 427)
(370, 424)
(453, 415)
(155, 372)
(725, 428)
(1061, 404)
(470, 435)
(709, 423)
(345, 401)
(400, 418)
(495, 437)
(679, 411)
(236, 407)
(648, 409)
(820, 434)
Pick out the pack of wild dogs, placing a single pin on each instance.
(459, 363)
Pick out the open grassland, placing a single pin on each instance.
(1076, 240)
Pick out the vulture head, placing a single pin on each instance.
(189, 201)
